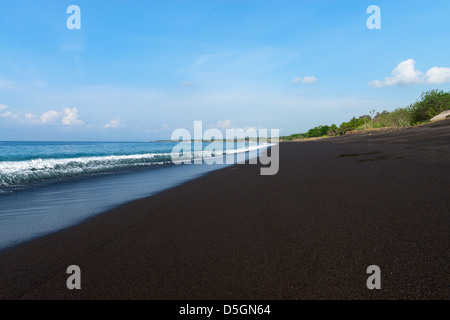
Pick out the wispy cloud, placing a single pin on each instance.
(30, 117)
(307, 79)
(67, 117)
(5, 113)
(247, 65)
(23, 86)
(227, 124)
(6, 84)
(113, 124)
(224, 124)
(187, 83)
(50, 116)
(204, 59)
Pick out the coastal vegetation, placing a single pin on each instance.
(429, 105)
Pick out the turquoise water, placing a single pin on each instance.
(49, 186)
(22, 163)
(23, 150)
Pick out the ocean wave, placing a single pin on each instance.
(13, 173)
(23, 172)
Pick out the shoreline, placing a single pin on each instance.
(71, 180)
(45, 207)
(335, 207)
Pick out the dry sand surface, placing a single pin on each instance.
(310, 232)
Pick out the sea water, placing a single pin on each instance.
(49, 186)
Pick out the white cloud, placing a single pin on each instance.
(67, 116)
(114, 124)
(404, 74)
(204, 59)
(309, 79)
(438, 75)
(50, 116)
(187, 83)
(31, 117)
(5, 114)
(376, 84)
(165, 126)
(224, 124)
(71, 117)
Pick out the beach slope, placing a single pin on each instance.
(335, 207)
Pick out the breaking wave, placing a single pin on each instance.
(13, 173)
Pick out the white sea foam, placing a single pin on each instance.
(23, 172)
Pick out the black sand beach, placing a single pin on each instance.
(310, 232)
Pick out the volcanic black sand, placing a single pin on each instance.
(336, 207)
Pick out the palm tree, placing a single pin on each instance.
(372, 113)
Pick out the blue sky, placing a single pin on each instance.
(136, 70)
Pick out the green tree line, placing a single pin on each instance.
(430, 104)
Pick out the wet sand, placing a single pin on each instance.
(336, 207)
